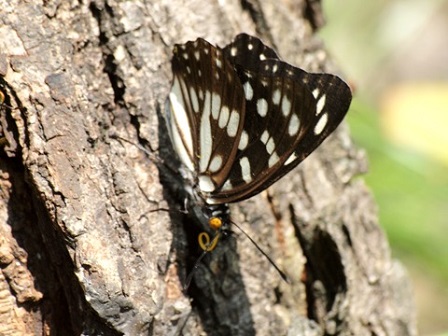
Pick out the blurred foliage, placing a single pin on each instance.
(388, 48)
(411, 190)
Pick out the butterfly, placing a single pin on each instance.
(239, 119)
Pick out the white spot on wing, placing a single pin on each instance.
(316, 93)
(321, 124)
(273, 159)
(196, 55)
(244, 140)
(250, 46)
(320, 104)
(205, 135)
(223, 117)
(286, 106)
(262, 107)
(245, 169)
(233, 51)
(194, 100)
(205, 183)
(248, 91)
(270, 146)
(264, 137)
(232, 126)
(183, 143)
(216, 105)
(218, 63)
(291, 158)
(227, 185)
(262, 57)
(275, 68)
(294, 124)
(276, 97)
(216, 163)
(210, 200)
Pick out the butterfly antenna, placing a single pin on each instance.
(160, 163)
(150, 153)
(280, 272)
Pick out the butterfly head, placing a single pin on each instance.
(215, 221)
(217, 225)
(206, 244)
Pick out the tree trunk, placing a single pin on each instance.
(85, 244)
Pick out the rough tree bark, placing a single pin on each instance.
(81, 250)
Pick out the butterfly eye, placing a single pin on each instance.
(215, 223)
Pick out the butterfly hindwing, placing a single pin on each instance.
(301, 109)
(332, 99)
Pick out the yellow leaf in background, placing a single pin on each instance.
(416, 115)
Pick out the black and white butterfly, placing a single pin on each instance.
(240, 118)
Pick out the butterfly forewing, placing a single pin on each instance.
(206, 113)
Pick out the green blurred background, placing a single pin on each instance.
(395, 53)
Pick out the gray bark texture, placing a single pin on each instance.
(85, 247)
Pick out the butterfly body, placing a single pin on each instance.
(240, 119)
